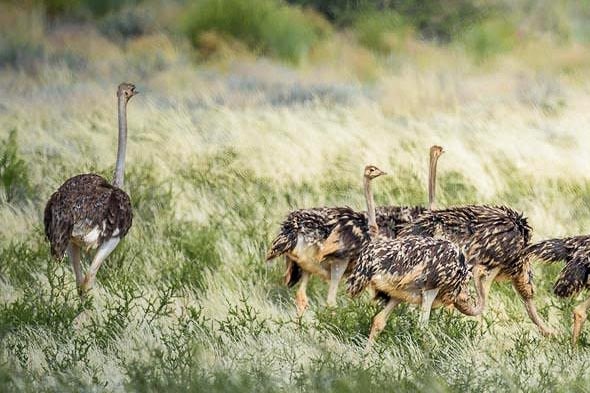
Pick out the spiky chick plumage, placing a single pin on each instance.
(406, 266)
(414, 269)
(574, 277)
(494, 238)
(314, 226)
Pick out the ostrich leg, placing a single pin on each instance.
(427, 300)
(484, 279)
(379, 322)
(463, 304)
(301, 295)
(103, 252)
(74, 254)
(579, 319)
(524, 287)
(337, 269)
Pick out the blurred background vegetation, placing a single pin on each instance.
(250, 109)
(294, 31)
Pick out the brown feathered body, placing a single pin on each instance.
(86, 210)
(575, 252)
(404, 267)
(306, 232)
(491, 236)
(391, 218)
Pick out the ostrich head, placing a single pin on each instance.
(371, 172)
(436, 151)
(126, 90)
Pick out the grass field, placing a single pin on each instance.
(218, 154)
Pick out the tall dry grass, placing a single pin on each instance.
(218, 154)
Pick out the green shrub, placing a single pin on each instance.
(53, 307)
(103, 7)
(490, 38)
(14, 173)
(56, 7)
(332, 9)
(380, 31)
(243, 320)
(441, 20)
(96, 8)
(265, 26)
(433, 19)
(348, 322)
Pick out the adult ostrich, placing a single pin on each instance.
(87, 212)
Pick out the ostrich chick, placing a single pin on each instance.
(575, 275)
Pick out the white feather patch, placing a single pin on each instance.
(91, 238)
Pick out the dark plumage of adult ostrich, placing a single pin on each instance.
(574, 277)
(493, 238)
(87, 212)
(413, 269)
(304, 233)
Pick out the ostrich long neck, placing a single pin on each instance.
(432, 182)
(373, 229)
(120, 165)
(465, 307)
